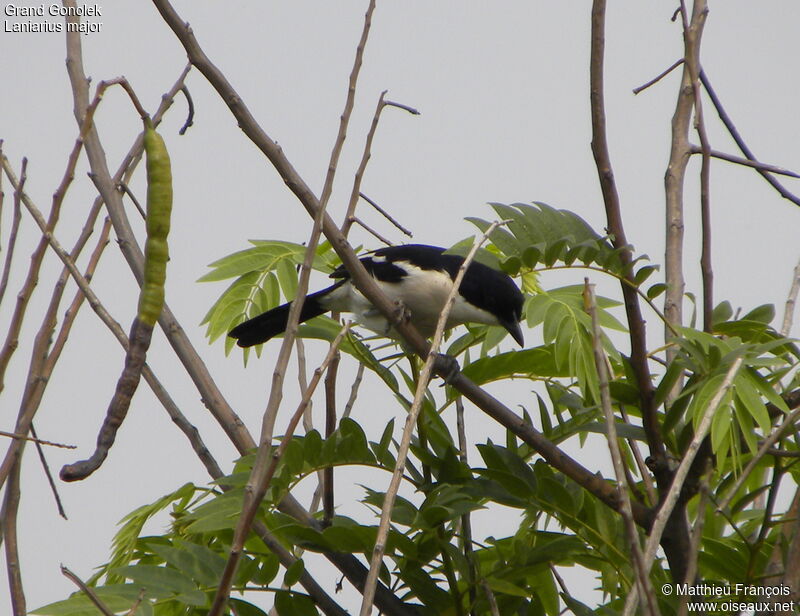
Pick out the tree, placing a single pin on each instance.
(712, 404)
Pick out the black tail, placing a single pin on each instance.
(273, 322)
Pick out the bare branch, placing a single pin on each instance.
(87, 591)
(9, 526)
(36, 440)
(636, 322)
(190, 115)
(351, 400)
(726, 120)
(386, 215)
(368, 229)
(791, 301)
(753, 164)
(12, 236)
(349, 217)
(658, 77)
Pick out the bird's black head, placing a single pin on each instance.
(496, 293)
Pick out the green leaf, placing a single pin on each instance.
(294, 572)
(200, 563)
(117, 597)
(500, 585)
(287, 277)
(749, 396)
(242, 608)
(764, 314)
(657, 289)
(530, 363)
(293, 604)
(158, 579)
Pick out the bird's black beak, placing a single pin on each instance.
(516, 332)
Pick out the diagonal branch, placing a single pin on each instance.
(367, 286)
(737, 137)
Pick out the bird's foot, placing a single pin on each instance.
(401, 313)
(447, 367)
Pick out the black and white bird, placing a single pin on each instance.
(415, 275)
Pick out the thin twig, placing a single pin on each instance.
(766, 523)
(753, 164)
(659, 77)
(87, 591)
(125, 189)
(190, 115)
(728, 122)
(351, 400)
(308, 418)
(48, 473)
(23, 296)
(12, 237)
(355, 193)
(38, 441)
(411, 110)
(350, 214)
(670, 500)
(411, 420)
(368, 229)
(386, 215)
(783, 453)
(601, 365)
(791, 301)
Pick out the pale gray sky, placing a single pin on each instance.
(503, 92)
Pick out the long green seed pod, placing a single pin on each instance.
(151, 301)
(159, 210)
